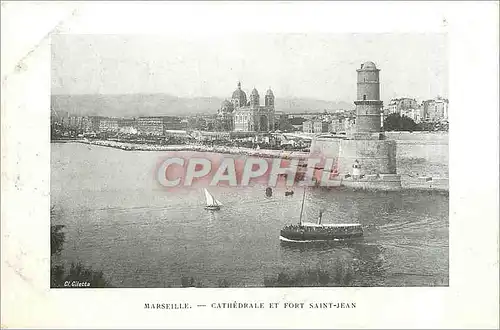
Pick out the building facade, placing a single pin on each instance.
(244, 115)
(315, 126)
(401, 105)
(172, 123)
(150, 126)
(342, 123)
(307, 126)
(109, 125)
(435, 110)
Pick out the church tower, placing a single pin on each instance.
(269, 99)
(254, 99)
(368, 103)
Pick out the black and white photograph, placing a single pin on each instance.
(249, 164)
(255, 160)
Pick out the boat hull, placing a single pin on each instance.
(317, 236)
(212, 208)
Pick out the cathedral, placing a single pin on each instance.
(244, 115)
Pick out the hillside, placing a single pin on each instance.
(133, 105)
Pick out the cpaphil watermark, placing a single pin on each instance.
(178, 171)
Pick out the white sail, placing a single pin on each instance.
(211, 201)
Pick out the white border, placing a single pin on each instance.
(471, 301)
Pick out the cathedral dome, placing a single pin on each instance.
(368, 66)
(255, 92)
(240, 95)
(269, 92)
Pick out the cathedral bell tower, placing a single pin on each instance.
(269, 99)
(254, 99)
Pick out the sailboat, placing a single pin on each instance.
(314, 232)
(212, 203)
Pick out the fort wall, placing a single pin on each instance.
(374, 156)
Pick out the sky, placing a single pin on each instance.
(307, 65)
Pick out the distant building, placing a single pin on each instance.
(244, 115)
(400, 105)
(307, 126)
(320, 127)
(127, 122)
(108, 125)
(337, 125)
(173, 123)
(157, 126)
(184, 123)
(87, 125)
(95, 123)
(342, 124)
(150, 126)
(315, 126)
(76, 123)
(435, 109)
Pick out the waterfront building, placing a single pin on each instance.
(248, 115)
(108, 125)
(127, 122)
(86, 124)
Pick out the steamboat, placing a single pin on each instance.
(318, 232)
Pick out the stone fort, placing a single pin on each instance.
(367, 143)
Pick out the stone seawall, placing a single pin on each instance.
(264, 153)
(374, 156)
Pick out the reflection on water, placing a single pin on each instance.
(118, 221)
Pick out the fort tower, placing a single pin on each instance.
(368, 103)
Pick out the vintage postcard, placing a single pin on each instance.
(249, 165)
